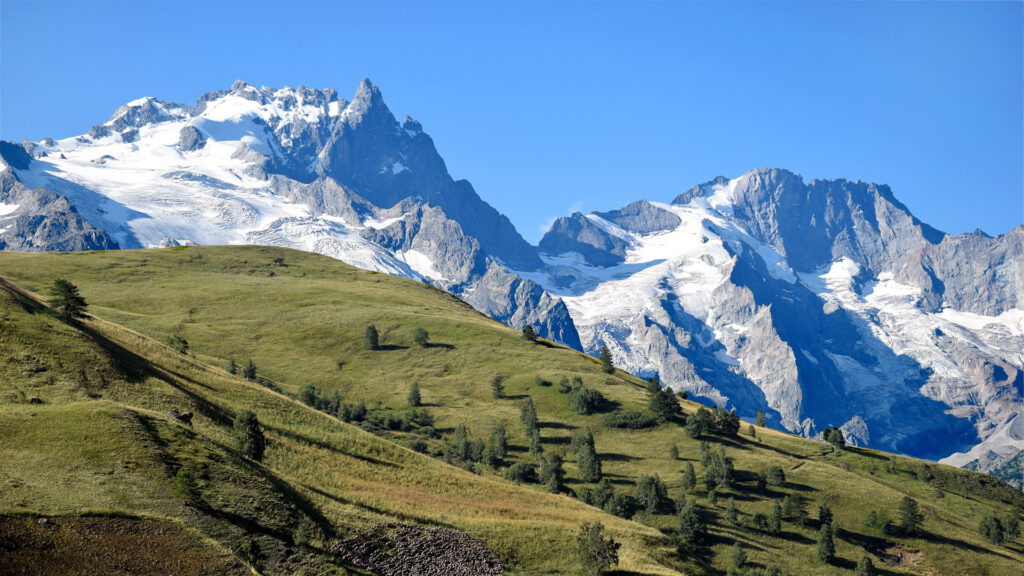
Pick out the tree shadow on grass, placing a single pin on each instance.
(556, 426)
(391, 347)
(440, 345)
(613, 457)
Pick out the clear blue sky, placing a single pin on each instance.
(551, 106)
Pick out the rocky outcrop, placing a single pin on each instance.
(396, 549)
(507, 297)
(190, 139)
(642, 217)
(577, 233)
(44, 221)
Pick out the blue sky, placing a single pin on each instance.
(548, 107)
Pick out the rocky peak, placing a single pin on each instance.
(641, 217)
(412, 127)
(700, 190)
(577, 233)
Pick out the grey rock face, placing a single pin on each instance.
(44, 221)
(368, 151)
(508, 298)
(143, 112)
(191, 139)
(642, 217)
(973, 272)
(15, 155)
(578, 234)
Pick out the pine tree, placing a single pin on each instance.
(760, 420)
(584, 400)
(307, 395)
(697, 425)
(606, 359)
(689, 477)
(737, 557)
(673, 452)
(663, 405)
(1011, 526)
(824, 513)
(65, 299)
(775, 476)
(719, 471)
(247, 435)
(596, 553)
(497, 386)
(232, 367)
(529, 334)
(589, 463)
(775, 519)
(536, 448)
(528, 415)
(249, 372)
(731, 514)
(865, 567)
(910, 516)
(458, 448)
(552, 473)
(834, 436)
(992, 529)
(498, 443)
(826, 544)
(651, 493)
(690, 527)
(793, 508)
(603, 493)
(421, 338)
(413, 399)
(179, 344)
(371, 340)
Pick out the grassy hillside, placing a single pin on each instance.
(301, 318)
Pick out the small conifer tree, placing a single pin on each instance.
(249, 372)
(414, 399)
(421, 338)
(826, 544)
(596, 552)
(606, 360)
(67, 301)
(911, 518)
(865, 567)
(371, 340)
(247, 435)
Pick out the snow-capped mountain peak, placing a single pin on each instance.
(294, 167)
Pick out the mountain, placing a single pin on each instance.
(97, 444)
(286, 167)
(825, 303)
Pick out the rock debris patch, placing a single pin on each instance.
(397, 549)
